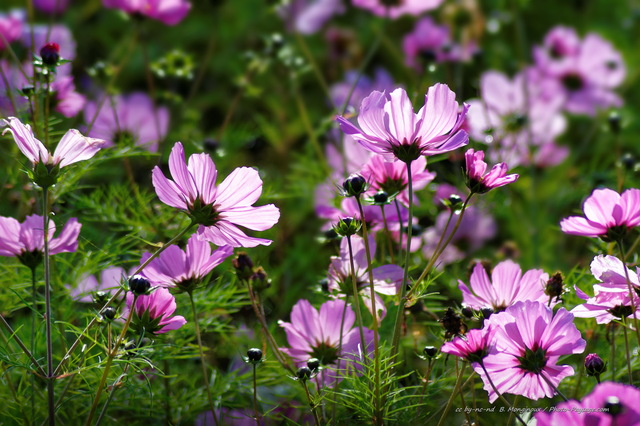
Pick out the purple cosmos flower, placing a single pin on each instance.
(184, 269)
(474, 347)
(67, 101)
(313, 334)
(517, 117)
(169, 12)
(218, 209)
(530, 339)
(389, 125)
(10, 27)
(478, 181)
(609, 215)
(129, 119)
(51, 6)
(405, 7)
(606, 305)
(308, 16)
(110, 279)
(506, 287)
(154, 312)
(26, 240)
(609, 404)
(10, 103)
(386, 278)
(611, 272)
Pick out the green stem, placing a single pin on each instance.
(546, 379)
(387, 233)
(47, 307)
(27, 352)
(628, 353)
(205, 373)
(356, 297)
(336, 383)
(34, 314)
(502, 398)
(311, 404)
(630, 289)
(255, 396)
(456, 388)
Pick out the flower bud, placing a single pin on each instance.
(243, 265)
(313, 364)
(259, 279)
(354, 186)
(303, 373)
(109, 313)
(347, 226)
(467, 312)
(594, 365)
(381, 198)
(554, 287)
(430, 351)
(139, 285)
(614, 122)
(100, 297)
(50, 54)
(486, 312)
(254, 355)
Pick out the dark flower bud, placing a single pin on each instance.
(324, 285)
(139, 285)
(259, 279)
(614, 122)
(554, 287)
(381, 198)
(613, 406)
(486, 312)
(109, 313)
(303, 373)
(27, 91)
(467, 312)
(430, 351)
(100, 297)
(453, 202)
(50, 54)
(594, 365)
(628, 161)
(243, 266)
(354, 186)
(313, 364)
(347, 226)
(452, 324)
(254, 355)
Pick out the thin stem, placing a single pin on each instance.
(27, 352)
(456, 388)
(356, 296)
(167, 390)
(495, 389)
(397, 204)
(627, 352)
(426, 380)
(110, 396)
(94, 321)
(47, 306)
(387, 233)
(630, 289)
(205, 373)
(255, 396)
(311, 404)
(336, 383)
(613, 350)
(546, 379)
(34, 314)
(405, 278)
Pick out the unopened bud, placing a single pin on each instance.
(50, 54)
(139, 285)
(354, 186)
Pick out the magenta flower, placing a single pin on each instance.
(26, 240)
(606, 305)
(308, 16)
(129, 119)
(313, 334)
(405, 7)
(611, 272)
(479, 182)
(218, 209)
(184, 269)
(389, 125)
(73, 147)
(506, 287)
(51, 6)
(10, 27)
(109, 282)
(169, 12)
(474, 347)
(154, 312)
(529, 340)
(609, 215)
(609, 404)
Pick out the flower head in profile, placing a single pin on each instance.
(394, 10)
(109, 282)
(218, 209)
(608, 404)
(169, 12)
(184, 269)
(530, 339)
(26, 240)
(608, 215)
(73, 147)
(316, 334)
(474, 346)
(154, 312)
(507, 286)
(388, 124)
(606, 305)
(478, 181)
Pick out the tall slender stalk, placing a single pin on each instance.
(554, 387)
(34, 314)
(311, 403)
(47, 306)
(455, 390)
(356, 296)
(502, 398)
(634, 307)
(627, 352)
(205, 373)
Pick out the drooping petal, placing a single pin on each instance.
(67, 241)
(74, 147)
(31, 147)
(576, 225)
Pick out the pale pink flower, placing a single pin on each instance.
(404, 7)
(109, 282)
(218, 209)
(169, 12)
(308, 16)
(477, 180)
(10, 27)
(67, 101)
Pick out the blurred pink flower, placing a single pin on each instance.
(389, 125)
(477, 180)
(506, 287)
(356, 87)
(109, 282)
(313, 334)
(66, 100)
(405, 7)
(154, 312)
(609, 215)
(474, 346)
(609, 404)
(51, 6)
(184, 269)
(129, 118)
(26, 240)
(529, 340)
(73, 147)
(169, 12)
(308, 16)
(10, 27)
(218, 209)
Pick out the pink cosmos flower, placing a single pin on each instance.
(530, 339)
(67, 101)
(154, 312)
(506, 287)
(129, 118)
(51, 6)
(478, 181)
(184, 269)
(474, 347)
(389, 125)
(218, 209)
(316, 334)
(606, 305)
(611, 272)
(405, 7)
(386, 278)
(609, 404)
(10, 27)
(169, 12)
(26, 240)
(308, 16)
(609, 215)
(73, 147)
(109, 282)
